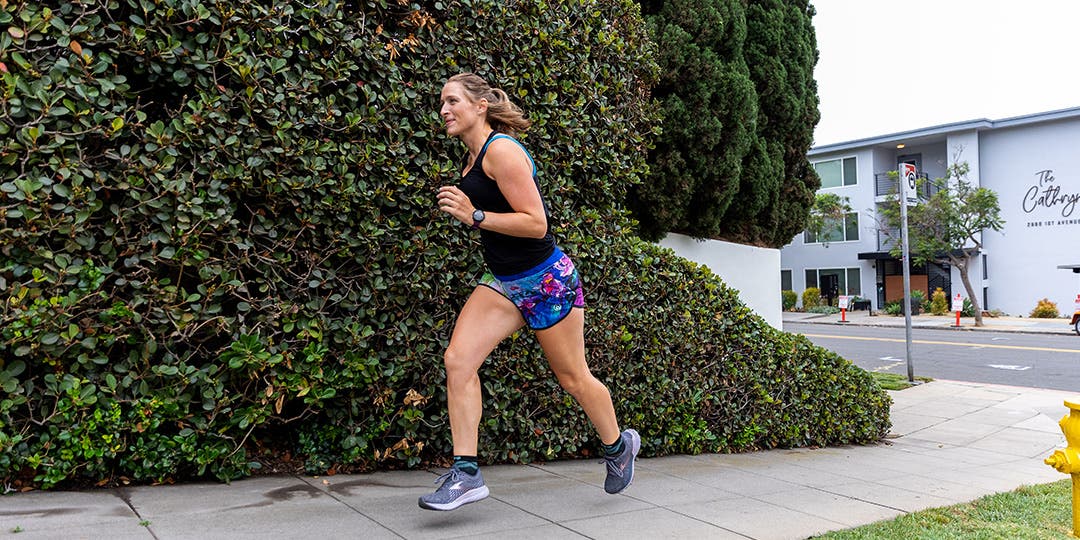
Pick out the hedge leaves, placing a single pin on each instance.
(219, 248)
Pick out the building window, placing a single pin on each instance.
(837, 172)
(834, 231)
(851, 226)
(854, 282)
(785, 280)
(986, 271)
(849, 279)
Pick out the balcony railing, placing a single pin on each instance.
(887, 184)
(887, 239)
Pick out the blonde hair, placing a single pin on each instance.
(503, 115)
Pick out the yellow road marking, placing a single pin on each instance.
(925, 342)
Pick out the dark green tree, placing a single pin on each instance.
(740, 105)
(778, 184)
(709, 110)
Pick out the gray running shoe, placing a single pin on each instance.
(458, 488)
(620, 468)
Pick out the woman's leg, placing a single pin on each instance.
(486, 319)
(564, 346)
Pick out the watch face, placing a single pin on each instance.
(478, 215)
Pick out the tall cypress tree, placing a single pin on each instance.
(740, 105)
(709, 112)
(781, 50)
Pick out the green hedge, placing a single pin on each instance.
(788, 300)
(219, 246)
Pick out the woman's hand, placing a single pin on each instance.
(509, 166)
(453, 201)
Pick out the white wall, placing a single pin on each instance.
(1038, 235)
(753, 271)
(964, 147)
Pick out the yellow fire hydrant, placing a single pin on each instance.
(1067, 460)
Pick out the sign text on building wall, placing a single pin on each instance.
(1047, 193)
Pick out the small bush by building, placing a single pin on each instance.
(790, 299)
(939, 302)
(918, 302)
(969, 308)
(1045, 309)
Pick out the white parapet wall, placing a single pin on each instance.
(753, 271)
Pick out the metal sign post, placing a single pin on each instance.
(909, 196)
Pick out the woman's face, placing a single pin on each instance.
(459, 113)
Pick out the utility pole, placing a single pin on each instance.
(909, 196)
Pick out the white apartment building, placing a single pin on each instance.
(1032, 162)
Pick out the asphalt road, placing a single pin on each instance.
(1030, 360)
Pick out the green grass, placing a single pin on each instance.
(892, 381)
(1040, 512)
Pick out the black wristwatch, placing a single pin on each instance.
(477, 218)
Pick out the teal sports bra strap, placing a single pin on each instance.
(505, 136)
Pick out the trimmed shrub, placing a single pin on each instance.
(939, 302)
(969, 308)
(918, 302)
(811, 297)
(1045, 309)
(789, 299)
(220, 250)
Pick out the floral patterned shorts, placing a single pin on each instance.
(545, 294)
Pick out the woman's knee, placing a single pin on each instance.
(460, 369)
(576, 383)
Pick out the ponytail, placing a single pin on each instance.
(503, 115)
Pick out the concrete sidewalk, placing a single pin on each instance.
(951, 442)
(998, 324)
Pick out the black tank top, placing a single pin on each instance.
(505, 255)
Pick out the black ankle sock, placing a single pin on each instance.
(467, 464)
(614, 448)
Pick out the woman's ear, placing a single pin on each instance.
(482, 105)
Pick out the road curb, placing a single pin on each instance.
(1066, 331)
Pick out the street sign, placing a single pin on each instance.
(845, 302)
(908, 188)
(957, 306)
(908, 197)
